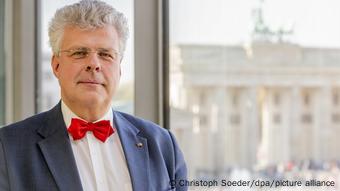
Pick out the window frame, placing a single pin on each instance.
(152, 61)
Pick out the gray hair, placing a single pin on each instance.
(87, 14)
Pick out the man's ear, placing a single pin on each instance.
(55, 65)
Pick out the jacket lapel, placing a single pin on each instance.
(57, 151)
(136, 152)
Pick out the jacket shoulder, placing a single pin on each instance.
(28, 124)
(145, 126)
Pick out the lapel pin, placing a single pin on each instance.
(139, 145)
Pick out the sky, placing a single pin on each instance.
(315, 22)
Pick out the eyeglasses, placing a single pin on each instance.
(109, 55)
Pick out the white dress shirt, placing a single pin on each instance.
(101, 166)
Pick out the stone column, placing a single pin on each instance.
(217, 125)
(251, 129)
(295, 122)
(322, 130)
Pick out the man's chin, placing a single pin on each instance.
(91, 98)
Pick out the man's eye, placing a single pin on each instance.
(105, 55)
(79, 54)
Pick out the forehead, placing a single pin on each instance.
(104, 37)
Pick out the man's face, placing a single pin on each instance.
(86, 69)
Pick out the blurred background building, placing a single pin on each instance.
(255, 88)
(265, 104)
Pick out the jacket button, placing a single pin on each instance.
(139, 145)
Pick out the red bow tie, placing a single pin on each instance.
(101, 129)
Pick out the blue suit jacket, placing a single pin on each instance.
(36, 154)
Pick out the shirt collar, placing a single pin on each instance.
(68, 115)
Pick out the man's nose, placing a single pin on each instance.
(93, 62)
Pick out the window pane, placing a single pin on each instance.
(2, 62)
(254, 88)
(49, 88)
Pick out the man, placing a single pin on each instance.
(82, 144)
